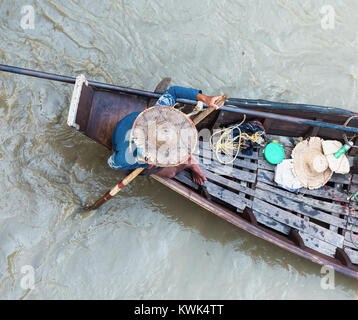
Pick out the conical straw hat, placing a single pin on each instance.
(164, 136)
(310, 165)
(340, 165)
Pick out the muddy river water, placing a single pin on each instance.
(150, 243)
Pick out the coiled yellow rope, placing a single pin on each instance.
(228, 144)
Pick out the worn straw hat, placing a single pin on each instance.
(310, 165)
(163, 136)
(340, 165)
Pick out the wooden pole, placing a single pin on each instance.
(241, 105)
(95, 84)
(118, 187)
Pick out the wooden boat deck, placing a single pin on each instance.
(312, 218)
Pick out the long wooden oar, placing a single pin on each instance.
(118, 187)
(245, 106)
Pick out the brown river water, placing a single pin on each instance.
(150, 243)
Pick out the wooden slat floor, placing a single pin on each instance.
(321, 220)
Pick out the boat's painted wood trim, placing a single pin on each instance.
(77, 90)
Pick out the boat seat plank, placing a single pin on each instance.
(236, 200)
(298, 207)
(266, 176)
(215, 178)
(206, 146)
(271, 223)
(228, 171)
(298, 223)
(318, 245)
(241, 163)
(341, 178)
(216, 191)
(352, 254)
(333, 227)
(263, 164)
(314, 203)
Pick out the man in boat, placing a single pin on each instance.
(120, 138)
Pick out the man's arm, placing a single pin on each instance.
(209, 100)
(174, 93)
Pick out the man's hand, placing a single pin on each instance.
(210, 100)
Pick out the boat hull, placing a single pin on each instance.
(98, 111)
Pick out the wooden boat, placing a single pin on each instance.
(312, 224)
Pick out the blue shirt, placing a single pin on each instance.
(122, 158)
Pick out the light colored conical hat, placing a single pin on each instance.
(340, 165)
(163, 136)
(310, 165)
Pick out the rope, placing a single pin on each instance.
(228, 144)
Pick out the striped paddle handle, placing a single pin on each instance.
(219, 102)
(118, 187)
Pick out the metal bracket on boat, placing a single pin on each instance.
(248, 215)
(342, 256)
(71, 120)
(296, 238)
(204, 192)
